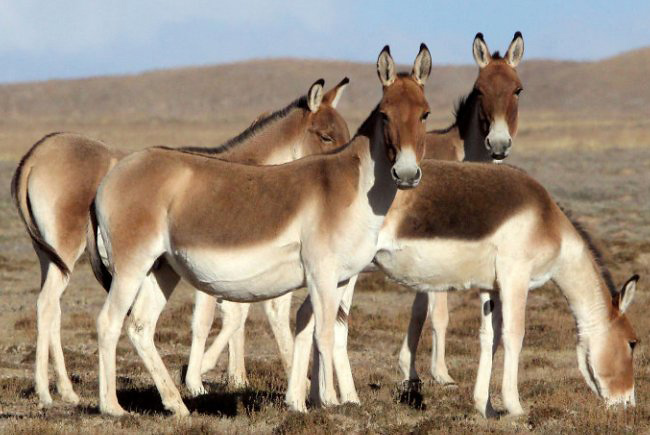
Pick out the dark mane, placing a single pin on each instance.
(496, 55)
(462, 114)
(595, 252)
(250, 131)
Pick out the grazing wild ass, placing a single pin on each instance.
(56, 181)
(249, 233)
(495, 228)
(486, 122)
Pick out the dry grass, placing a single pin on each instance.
(589, 148)
(607, 188)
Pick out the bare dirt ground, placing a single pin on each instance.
(606, 188)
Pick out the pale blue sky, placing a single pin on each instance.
(76, 38)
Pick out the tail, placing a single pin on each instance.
(100, 270)
(20, 196)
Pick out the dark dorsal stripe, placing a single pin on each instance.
(595, 251)
(252, 130)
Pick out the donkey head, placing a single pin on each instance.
(325, 128)
(403, 110)
(498, 87)
(605, 357)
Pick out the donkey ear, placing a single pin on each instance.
(626, 294)
(386, 67)
(422, 65)
(333, 95)
(315, 95)
(516, 50)
(481, 51)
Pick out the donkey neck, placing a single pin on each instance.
(582, 282)
(272, 141)
(368, 146)
(468, 124)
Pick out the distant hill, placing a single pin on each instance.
(233, 92)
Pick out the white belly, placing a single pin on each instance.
(438, 265)
(244, 274)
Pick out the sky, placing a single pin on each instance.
(47, 39)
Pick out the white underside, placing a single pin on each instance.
(454, 264)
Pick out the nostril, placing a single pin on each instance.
(418, 174)
(394, 174)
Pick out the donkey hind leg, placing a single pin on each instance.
(278, 311)
(234, 315)
(236, 356)
(490, 335)
(202, 320)
(297, 387)
(150, 301)
(514, 292)
(439, 312)
(123, 291)
(409, 349)
(53, 284)
(347, 390)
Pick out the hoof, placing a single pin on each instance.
(444, 379)
(196, 390)
(179, 410)
(113, 411)
(70, 397)
(296, 406)
(487, 411)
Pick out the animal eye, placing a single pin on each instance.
(326, 138)
(632, 344)
(518, 91)
(384, 117)
(425, 115)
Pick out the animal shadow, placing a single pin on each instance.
(216, 403)
(410, 393)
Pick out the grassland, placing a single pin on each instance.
(595, 161)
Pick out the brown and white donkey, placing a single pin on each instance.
(56, 181)
(249, 233)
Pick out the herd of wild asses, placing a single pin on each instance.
(294, 201)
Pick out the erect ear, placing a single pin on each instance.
(315, 95)
(626, 294)
(481, 51)
(333, 95)
(422, 65)
(516, 50)
(386, 67)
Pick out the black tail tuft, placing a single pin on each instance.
(101, 272)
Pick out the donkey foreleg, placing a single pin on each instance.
(409, 349)
(514, 291)
(202, 320)
(325, 298)
(236, 353)
(278, 311)
(490, 335)
(439, 312)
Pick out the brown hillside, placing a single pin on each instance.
(226, 92)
